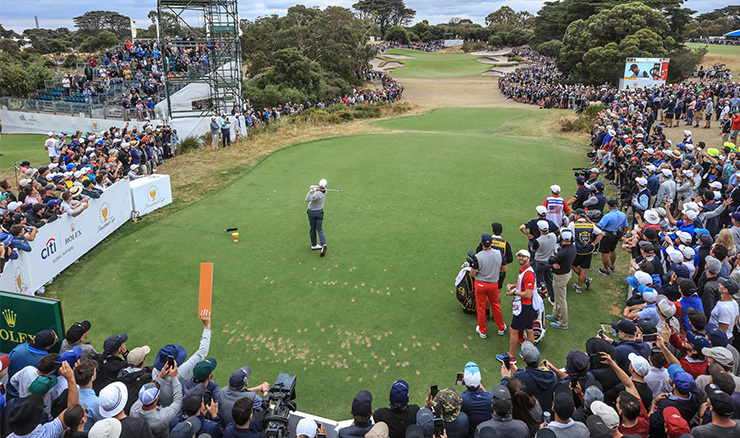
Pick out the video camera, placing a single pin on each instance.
(582, 171)
(282, 392)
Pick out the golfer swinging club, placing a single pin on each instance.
(315, 199)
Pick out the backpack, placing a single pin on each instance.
(134, 381)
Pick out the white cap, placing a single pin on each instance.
(306, 427)
(49, 177)
(14, 205)
(322, 183)
(687, 133)
(715, 185)
(523, 252)
(472, 379)
(542, 225)
(641, 181)
(683, 236)
(607, 413)
(650, 151)
(594, 170)
(693, 206)
(51, 134)
(688, 252)
(106, 428)
(667, 173)
(675, 255)
(541, 209)
(555, 189)
(640, 364)
(690, 214)
(79, 174)
(643, 277)
(112, 399)
(53, 166)
(566, 234)
(134, 166)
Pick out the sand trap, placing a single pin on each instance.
(491, 52)
(503, 70)
(490, 73)
(392, 64)
(393, 56)
(492, 60)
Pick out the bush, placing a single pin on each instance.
(70, 61)
(495, 41)
(584, 121)
(397, 33)
(473, 46)
(550, 48)
(344, 116)
(366, 111)
(190, 144)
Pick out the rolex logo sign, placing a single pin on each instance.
(10, 317)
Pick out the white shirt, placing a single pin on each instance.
(49, 144)
(725, 312)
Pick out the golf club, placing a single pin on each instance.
(328, 190)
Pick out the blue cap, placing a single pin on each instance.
(71, 166)
(717, 337)
(486, 238)
(626, 326)
(698, 342)
(399, 392)
(5, 238)
(599, 185)
(736, 215)
(673, 369)
(580, 180)
(684, 382)
(176, 351)
(71, 356)
(681, 271)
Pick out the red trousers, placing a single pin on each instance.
(485, 290)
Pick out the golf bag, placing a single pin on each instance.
(465, 292)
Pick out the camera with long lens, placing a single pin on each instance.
(282, 393)
(582, 171)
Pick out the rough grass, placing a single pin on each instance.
(19, 148)
(380, 306)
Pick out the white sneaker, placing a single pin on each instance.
(502, 332)
(314, 247)
(323, 250)
(477, 330)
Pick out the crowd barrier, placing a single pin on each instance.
(60, 243)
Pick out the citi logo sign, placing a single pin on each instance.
(49, 249)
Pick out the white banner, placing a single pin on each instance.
(150, 193)
(60, 243)
(18, 122)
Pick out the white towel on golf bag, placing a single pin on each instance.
(537, 304)
(461, 275)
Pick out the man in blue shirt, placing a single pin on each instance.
(30, 354)
(613, 225)
(477, 402)
(225, 131)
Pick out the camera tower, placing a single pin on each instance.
(211, 54)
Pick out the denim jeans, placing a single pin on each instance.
(316, 220)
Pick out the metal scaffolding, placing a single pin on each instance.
(210, 54)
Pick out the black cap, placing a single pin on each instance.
(362, 405)
(597, 428)
(612, 203)
(721, 402)
(27, 415)
(75, 332)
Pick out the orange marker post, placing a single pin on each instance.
(206, 287)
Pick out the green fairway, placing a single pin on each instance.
(437, 65)
(715, 48)
(380, 306)
(21, 147)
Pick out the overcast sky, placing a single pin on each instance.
(19, 14)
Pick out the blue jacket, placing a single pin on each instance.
(478, 406)
(653, 184)
(540, 384)
(22, 356)
(623, 350)
(211, 427)
(20, 243)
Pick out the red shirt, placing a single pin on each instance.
(527, 282)
(736, 122)
(643, 424)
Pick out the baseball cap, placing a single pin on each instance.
(523, 252)
(593, 393)
(14, 205)
(543, 225)
(541, 209)
(414, 431)
(114, 342)
(699, 342)
(722, 403)
(447, 404)
(239, 377)
(684, 382)
(486, 239)
(501, 399)
(174, 350)
(112, 399)
(306, 427)
(362, 405)
(721, 355)
(137, 355)
(203, 369)
(106, 428)
(667, 308)
(4, 362)
(730, 284)
(530, 353)
(193, 398)
(649, 295)
(399, 392)
(715, 185)
(148, 393)
(322, 183)
(607, 414)
(674, 422)
(625, 326)
(580, 212)
(566, 234)
(713, 265)
(652, 217)
(555, 188)
(717, 337)
(639, 364)
(643, 278)
(471, 374)
(641, 181)
(71, 356)
(43, 384)
(596, 428)
(43, 339)
(580, 180)
(185, 429)
(612, 203)
(76, 331)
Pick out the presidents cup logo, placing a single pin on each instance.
(103, 213)
(151, 194)
(10, 317)
(20, 281)
(94, 124)
(106, 218)
(49, 249)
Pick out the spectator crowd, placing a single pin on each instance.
(431, 46)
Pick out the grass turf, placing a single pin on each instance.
(380, 306)
(21, 147)
(716, 48)
(436, 65)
